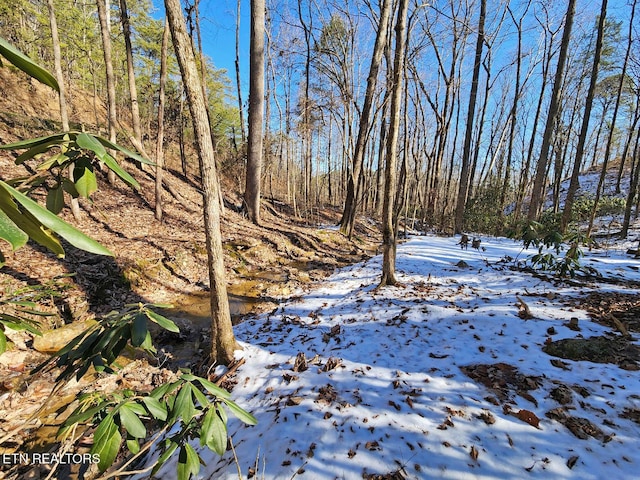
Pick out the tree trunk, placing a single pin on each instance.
(575, 174)
(463, 188)
(238, 83)
(389, 240)
(607, 151)
(62, 95)
(223, 342)
(131, 75)
(537, 193)
(633, 188)
(350, 207)
(111, 82)
(256, 112)
(160, 137)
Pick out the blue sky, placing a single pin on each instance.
(218, 29)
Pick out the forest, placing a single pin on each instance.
(342, 129)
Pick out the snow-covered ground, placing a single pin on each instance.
(385, 389)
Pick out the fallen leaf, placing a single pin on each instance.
(474, 453)
(291, 401)
(529, 417)
(300, 364)
(487, 417)
(572, 461)
(394, 405)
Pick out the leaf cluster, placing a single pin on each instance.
(550, 242)
(19, 309)
(100, 345)
(191, 408)
(21, 218)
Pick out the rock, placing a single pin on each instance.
(53, 340)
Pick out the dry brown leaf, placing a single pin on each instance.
(529, 417)
(474, 453)
(572, 461)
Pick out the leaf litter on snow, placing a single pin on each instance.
(443, 376)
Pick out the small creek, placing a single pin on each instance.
(192, 313)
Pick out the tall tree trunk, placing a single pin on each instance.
(513, 114)
(389, 240)
(582, 139)
(256, 112)
(203, 66)
(238, 83)
(223, 342)
(463, 188)
(306, 105)
(350, 207)
(633, 188)
(62, 95)
(105, 29)
(524, 175)
(607, 151)
(161, 103)
(131, 75)
(537, 193)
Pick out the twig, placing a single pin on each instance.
(218, 381)
(235, 458)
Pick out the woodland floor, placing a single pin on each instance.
(165, 262)
(154, 262)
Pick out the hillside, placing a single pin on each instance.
(164, 260)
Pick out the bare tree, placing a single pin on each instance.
(62, 95)
(131, 75)
(256, 112)
(161, 104)
(463, 187)
(350, 207)
(541, 168)
(575, 174)
(620, 87)
(223, 342)
(105, 31)
(237, 65)
(389, 236)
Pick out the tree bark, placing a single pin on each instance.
(575, 174)
(238, 83)
(62, 92)
(350, 207)
(389, 237)
(131, 75)
(537, 193)
(160, 136)
(463, 188)
(105, 31)
(223, 342)
(256, 112)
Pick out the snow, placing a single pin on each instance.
(398, 400)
